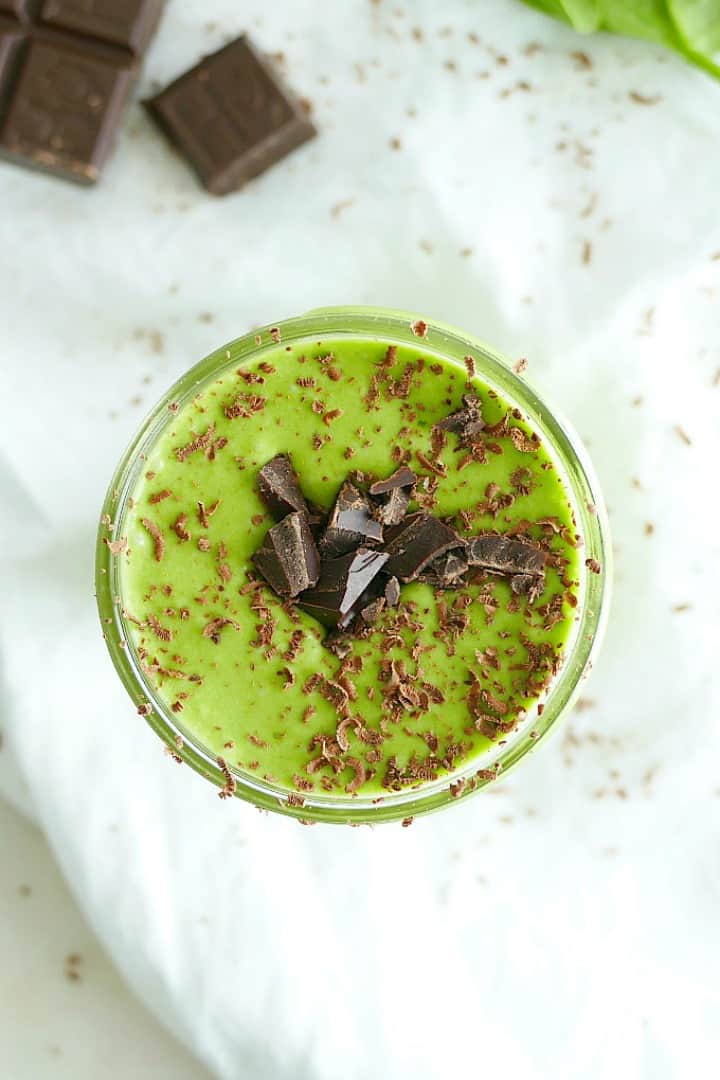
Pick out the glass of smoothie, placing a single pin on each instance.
(353, 568)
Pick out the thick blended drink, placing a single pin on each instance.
(356, 568)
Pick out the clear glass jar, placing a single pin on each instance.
(572, 462)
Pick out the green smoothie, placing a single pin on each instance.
(436, 679)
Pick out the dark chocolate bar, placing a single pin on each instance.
(65, 110)
(66, 72)
(128, 24)
(230, 117)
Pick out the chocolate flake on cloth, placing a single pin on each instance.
(350, 523)
(279, 487)
(466, 422)
(503, 556)
(416, 542)
(341, 590)
(287, 557)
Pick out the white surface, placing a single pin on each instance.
(62, 1018)
(567, 924)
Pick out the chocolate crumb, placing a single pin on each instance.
(419, 327)
(116, 547)
(469, 362)
(520, 365)
(593, 565)
(158, 496)
(644, 99)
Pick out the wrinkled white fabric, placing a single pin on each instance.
(566, 923)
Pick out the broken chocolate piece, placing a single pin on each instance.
(340, 591)
(279, 487)
(392, 592)
(503, 556)
(466, 422)
(530, 585)
(372, 611)
(394, 508)
(446, 571)
(288, 558)
(416, 542)
(401, 478)
(397, 489)
(350, 523)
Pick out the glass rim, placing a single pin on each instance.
(569, 456)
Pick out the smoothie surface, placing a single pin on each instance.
(439, 678)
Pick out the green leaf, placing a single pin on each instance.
(698, 22)
(550, 7)
(647, 19)
(690, 27)
(585, 15)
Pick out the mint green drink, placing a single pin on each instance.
(442, 681)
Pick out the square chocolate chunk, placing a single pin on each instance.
(64, 111)
(127, 23)
(230, 117)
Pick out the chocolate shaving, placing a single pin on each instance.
(179, 529)
(401, 478)
(158, 538)
(230, 786)
(526, 444)
(360, 774)
(212, 629)
(467, 422)
(288, 558)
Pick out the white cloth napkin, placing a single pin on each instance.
(565, 923)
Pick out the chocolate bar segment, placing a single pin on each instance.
(128, 24)
(288, 558)
(230, 117)
(65, 109)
